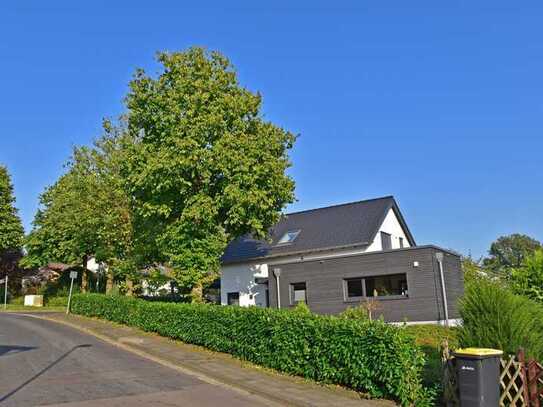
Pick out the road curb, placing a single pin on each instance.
(263, 397)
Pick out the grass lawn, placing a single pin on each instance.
(430, 338)
(18, 307)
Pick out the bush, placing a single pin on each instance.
(56, 301)
(494, 317)
(372, 357)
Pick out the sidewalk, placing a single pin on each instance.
(214, 367)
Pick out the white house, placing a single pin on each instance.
(333, 231)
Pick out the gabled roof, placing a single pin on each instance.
(347, 225)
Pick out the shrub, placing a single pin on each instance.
(494, 317)
(56, 301)
(359, 313)
(372, 357)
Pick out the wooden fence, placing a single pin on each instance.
(521, 381)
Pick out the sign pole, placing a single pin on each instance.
(73, 276)
(6, 293)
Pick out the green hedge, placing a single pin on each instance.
(371, 357)
(494, 317)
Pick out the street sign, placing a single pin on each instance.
(2, 281)
(73, 276)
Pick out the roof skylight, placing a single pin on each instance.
(289, 237)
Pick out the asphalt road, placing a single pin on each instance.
(44, 363)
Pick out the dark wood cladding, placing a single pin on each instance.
(325, 292)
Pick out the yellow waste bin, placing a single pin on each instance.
(478, 373)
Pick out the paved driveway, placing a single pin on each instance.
(44, 363)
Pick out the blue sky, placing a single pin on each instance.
(437, 103)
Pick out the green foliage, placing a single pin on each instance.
(508, 253)
(473, 270)
(430, 338)
(527, 280)
(302, 308)
(359, 313)
(56, 301)
(86, 212)
(206, 168)
(372, 357)
(494, 317)
(11, 229)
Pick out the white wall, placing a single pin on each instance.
(241, 278)
(392, 226)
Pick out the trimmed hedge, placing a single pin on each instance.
(372, 357)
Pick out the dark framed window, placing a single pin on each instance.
(386, 241)
(386, 286)
(298, 293)
(232, 298)
(401, 243)
(354, 287)
(392, 285)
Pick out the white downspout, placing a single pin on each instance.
(277, 274)
(439, 257)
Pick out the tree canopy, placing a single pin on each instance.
(509, 252)
(11, 228)
(206, 167)
(86, 212)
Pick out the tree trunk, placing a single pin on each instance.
(109, 282)
(129, 287)
(84, 279)
(197, 293)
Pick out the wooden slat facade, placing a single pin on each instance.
(325, 282)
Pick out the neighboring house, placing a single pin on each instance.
(339, 256)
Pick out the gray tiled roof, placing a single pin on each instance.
(349, 224)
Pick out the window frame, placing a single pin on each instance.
(228, 298)
(401, 242)
(388, 239)
(346, 296)
(292, 292)
(365, 296)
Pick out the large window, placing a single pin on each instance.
(298, 293)
(386, 241)
(383, 286)
(393, 285)
(232, 298)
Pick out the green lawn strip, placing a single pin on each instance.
(17, 307)
(430, 339)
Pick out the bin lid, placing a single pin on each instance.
(478, 353)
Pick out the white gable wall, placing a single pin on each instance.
(241, 278)
(392, 226)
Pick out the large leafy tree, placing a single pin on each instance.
(11, 230)
(509, 252)
(206, 168)
(86, 212)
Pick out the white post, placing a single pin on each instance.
(277, 273)
(439, 257)
(6, 293)
(72, 277)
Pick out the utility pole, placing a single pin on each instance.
(5, 292)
